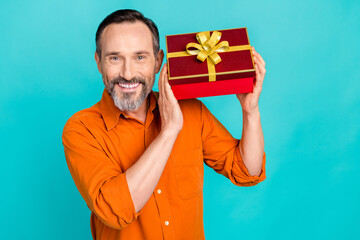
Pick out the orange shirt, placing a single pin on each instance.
(101, 143)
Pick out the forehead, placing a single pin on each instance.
(127, 37)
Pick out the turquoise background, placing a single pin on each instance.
(309, 108)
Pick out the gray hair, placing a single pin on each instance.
(127, 15)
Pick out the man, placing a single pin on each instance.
(137, 156)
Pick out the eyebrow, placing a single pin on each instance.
(111, 53)
(142, 52)
(137, 53)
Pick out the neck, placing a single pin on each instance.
(140, 113)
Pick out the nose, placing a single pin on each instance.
(128, 70)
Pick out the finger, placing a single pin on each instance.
(257, 71)
(258, 56)
(260, 65)
(255, 57)
(261, 59)
(161, 80)
(165, 83)
(253, 51)
(259, 79)
(262, 69)
(167, 89)
(256, 61)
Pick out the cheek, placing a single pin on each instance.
(149, 70)
(109, 73)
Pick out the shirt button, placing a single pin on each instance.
(159, 191)
(167, 223)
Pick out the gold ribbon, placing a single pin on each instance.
(208, 49)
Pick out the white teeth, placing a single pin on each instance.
(127, 85)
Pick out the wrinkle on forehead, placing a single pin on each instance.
(127, 38)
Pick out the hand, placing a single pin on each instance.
(249, 101)
(170, 112)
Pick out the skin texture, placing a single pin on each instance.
(252, 140)
(127, 51)
(132, 43)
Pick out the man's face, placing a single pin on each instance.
(128, 64)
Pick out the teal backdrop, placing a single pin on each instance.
(310, 111)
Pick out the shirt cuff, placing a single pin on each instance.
(241, 174)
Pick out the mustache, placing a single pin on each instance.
(120, 79)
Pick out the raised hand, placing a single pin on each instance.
(170, 112)
(249, 101)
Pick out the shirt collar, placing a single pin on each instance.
(111, 113)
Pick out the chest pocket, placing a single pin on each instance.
(189, 172)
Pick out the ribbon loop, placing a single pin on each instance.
(193, 45)
(215, 58)
(202, 55)
(202, 37)
(214, 39)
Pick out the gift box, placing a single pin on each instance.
(210, 63)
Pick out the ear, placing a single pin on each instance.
(97, 59)
(159, 60)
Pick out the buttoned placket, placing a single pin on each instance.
(159, 194)
(163, 206)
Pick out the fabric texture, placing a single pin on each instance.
(102, 142)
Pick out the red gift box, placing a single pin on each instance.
(194, 70)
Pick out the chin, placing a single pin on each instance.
(128, 101)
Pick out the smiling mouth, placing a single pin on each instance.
(128, 85)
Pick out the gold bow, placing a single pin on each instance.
(208, 49)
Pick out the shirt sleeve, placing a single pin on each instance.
(98, 178)
(221, 152)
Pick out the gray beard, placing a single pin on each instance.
(127, 101)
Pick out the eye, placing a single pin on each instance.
(114, 58)
(140, 57)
